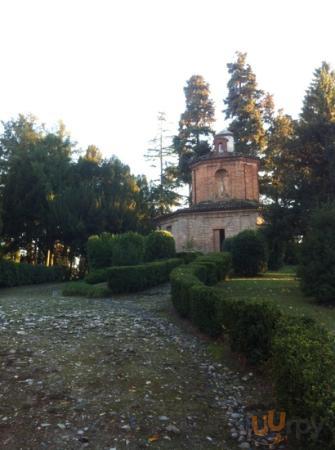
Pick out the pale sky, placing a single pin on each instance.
(107, 67)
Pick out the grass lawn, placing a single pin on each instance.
(281, 287)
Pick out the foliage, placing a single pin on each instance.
(96, 276)
(49, 199)
(244, 107)
(182, 280)
(17, 274)
(82, 289)
(203, 309)
(115, 250)
(188, 257)
(204, 270)
(304, 374)
(317, 269)
(99, 251)
(248, 251)
(128, 249)
(159, 244)
(194, 125)
(140, 277)
(251, 326)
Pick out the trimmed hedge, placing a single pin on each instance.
(128, 249)
(302, 343)
(159, 244)
(18, 274)
(300, 353)
(99, 251)
(188, 257)
(142, 276)
(251, 326)
(205, 270)
(82, 289)
(304, 376)
(182, 280)
(203, 309)
(115, 250)
(317, 265)
(248, 251)
(97, 276)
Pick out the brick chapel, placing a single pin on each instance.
(225, 199)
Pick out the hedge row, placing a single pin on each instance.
(100, 275)
(115, 250)
(205, 270)
(82, 289)
(249, 253)
(300, 353)
(129, 249)
(18, 274)
(142, 276)
(97, 276)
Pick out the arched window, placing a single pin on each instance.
(222, 183)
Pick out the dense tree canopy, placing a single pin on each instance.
(195, 125)
(52, 201)
(244, 107)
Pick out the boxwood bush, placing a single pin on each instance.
(127, 249)
(115, 250)
(97, 276)
(142, 276)
(188, 257)
(251, 326)
(203, 309)
(248, 251)
(205, 270)
(159, 244)
(17, 274)
(303, 372)
(182, 280)
(317, 268)
(300, 353)
(99, 251)
(82, 289)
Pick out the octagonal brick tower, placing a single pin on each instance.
(225, 199)
(224, 175)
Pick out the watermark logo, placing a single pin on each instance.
(273, 430)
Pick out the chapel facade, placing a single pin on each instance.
(225, 199)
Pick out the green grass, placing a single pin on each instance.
(283, 288)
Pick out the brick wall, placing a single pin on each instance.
(240, 182)
(197, 230)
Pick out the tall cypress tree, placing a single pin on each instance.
(315, 152)
(195, 125)
(244, 107)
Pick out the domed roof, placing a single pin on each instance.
(224, 133)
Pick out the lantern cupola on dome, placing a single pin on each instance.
(224, 142)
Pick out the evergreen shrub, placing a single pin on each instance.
(17, 274)
(248, 251)
(142, 276)
(159, 244)
(317, 263)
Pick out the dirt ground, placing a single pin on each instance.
(117, 373)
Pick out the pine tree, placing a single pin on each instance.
(195, 125)
(315, 152)
(163, 196)
(278, 162)
(244, 108)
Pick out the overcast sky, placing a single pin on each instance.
(105, 67)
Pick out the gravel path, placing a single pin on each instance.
(117, 373)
